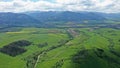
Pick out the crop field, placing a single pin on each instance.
(31, 47)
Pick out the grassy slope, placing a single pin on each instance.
(88, 39)
(28, 34)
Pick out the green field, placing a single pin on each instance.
(63, 48)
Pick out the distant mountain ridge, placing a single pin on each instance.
(39, 18)
(65, 16)
(112, 16)
(17, 19)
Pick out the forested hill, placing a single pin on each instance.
(40, 18)
(65, 16)
(17, 19)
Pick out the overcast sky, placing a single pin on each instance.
(108, 6)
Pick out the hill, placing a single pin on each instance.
(65, 16)
(17, 19)
(49, 19)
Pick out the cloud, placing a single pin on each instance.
(60, 5)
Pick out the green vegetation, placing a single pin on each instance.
(15, 48)
(60, 47)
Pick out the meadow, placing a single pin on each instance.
(63, 48)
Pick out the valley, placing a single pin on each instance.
(59, 33)
(68, 47)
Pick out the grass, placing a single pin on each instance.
(62, 57)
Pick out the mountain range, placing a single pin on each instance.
(40, 18)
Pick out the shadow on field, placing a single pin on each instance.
(94, 58)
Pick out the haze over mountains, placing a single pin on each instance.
(39, 18)
(16, 19)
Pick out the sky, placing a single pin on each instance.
(107, 6)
